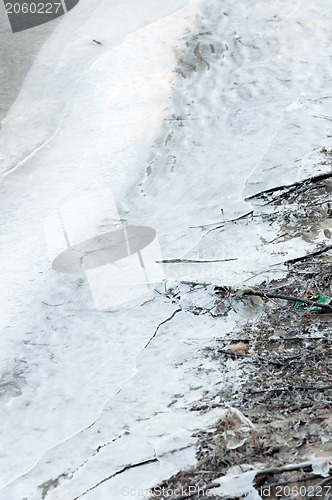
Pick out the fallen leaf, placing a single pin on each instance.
(239, 348)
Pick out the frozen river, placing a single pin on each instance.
(167, 124)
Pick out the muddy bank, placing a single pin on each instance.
(278, 421)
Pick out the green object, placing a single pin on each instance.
(302, 306)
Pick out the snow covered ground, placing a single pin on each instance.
(182, 111)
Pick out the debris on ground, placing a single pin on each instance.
(275, 440)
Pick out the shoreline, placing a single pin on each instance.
(286, 395)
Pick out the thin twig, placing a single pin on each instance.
(319, 204)
(316, 178)
(124, 469)
(286, 468)
(52, 305)
(309, 255)
(288, 297)
(190, 261)
(325, 481)
(295, 388)
(221, 223)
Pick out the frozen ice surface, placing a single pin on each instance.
(232, 485)
(182, 111)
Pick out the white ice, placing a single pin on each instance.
(183, 110)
